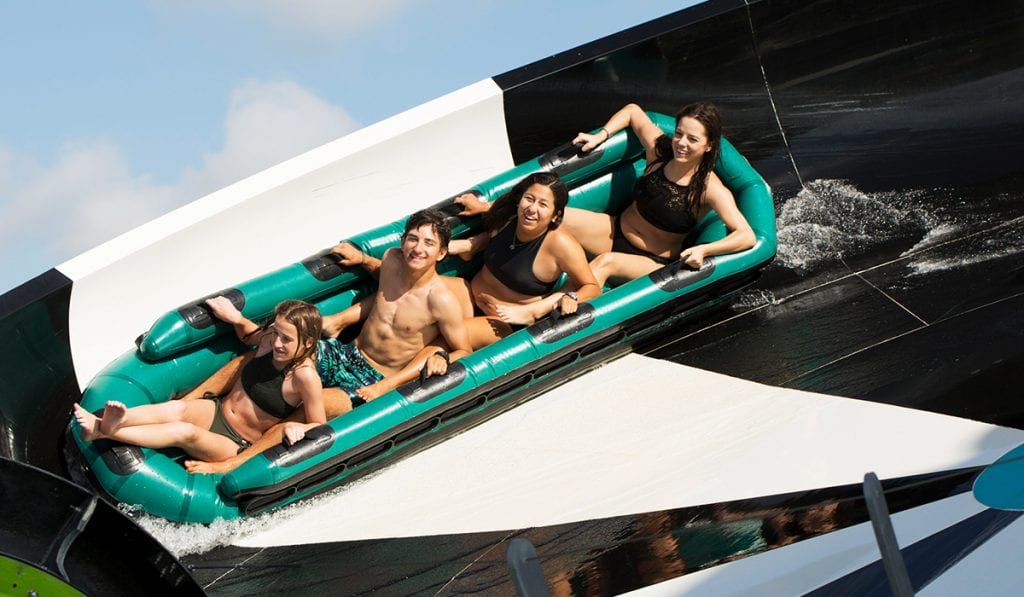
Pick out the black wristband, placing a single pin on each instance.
(444, 355)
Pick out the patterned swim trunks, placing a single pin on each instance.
(341, 365)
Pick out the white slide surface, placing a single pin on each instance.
(636, 435)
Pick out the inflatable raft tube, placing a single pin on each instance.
(418, 415)
(320, 275)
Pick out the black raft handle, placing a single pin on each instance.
(569, 158)
(557, 326)
(326, 265)
(199, 316)
(451, 210)
(429, 387)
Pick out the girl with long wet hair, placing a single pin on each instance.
(277, 379)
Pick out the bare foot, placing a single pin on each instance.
(89, 423)
(516, 314)
(113, 415)
(200, 467)
(372, 391)
(488, 304)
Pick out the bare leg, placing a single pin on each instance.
(221, 381)
(621, 267)
(196, 412)
(592, 229)
(159, 431)
(197, 442)
(94, 427)
(336, 402)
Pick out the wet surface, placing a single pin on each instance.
(929, 317)
(899, 278)
(596, 557)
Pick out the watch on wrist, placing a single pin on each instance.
(572, 295)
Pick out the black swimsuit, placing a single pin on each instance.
(663, 204)
(262, 382)
(621, 244)
(512, 263)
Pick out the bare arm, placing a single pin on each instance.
(222, 380)
(468, 247)
(226, 311)
(351, 255)
(740, 235)
(307, 381)
(448, 311)
(408, 373)
(573, 261)
(630, 115)
(472, 205)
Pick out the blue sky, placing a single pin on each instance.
(115, 112)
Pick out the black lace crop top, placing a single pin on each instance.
(663, 202)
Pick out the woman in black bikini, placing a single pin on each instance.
(676, 190)
(279, 378)
(525, 253)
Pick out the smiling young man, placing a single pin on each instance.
(412, 308)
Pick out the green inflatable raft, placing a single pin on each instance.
(187, 345)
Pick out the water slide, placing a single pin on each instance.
(886, 337)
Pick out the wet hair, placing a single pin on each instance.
(505, 207)
(707, 114)
(307, 321)
(433, 218)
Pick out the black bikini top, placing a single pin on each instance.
(663, 202)
(262, 382)
(511, 262)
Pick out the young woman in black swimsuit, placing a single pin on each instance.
(525, 253)
(676, 190)
(279, 378)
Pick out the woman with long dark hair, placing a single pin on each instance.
(526, 253)
(677, 189)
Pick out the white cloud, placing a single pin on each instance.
(267, 123)
(88, 195)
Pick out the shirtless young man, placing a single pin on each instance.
(412, 308)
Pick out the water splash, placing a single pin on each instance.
(752, 299)
(182, 538)
(832, 219)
